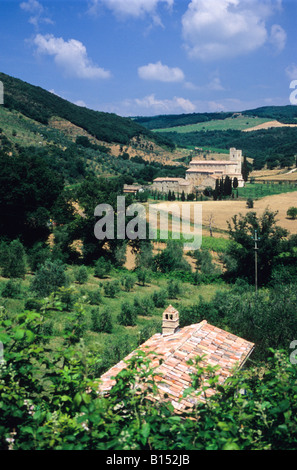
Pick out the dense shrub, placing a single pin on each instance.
(127, 316)
(81, 275)
(67, 296)
(204, 262)
(38, 256)
(173, 289)
(33, 304)
(48, 278)
(101, 321)
(111, 288)
(143, 276)
(13, 259)
(172, 258)
(128, 282)
(94, 297)
(159, 298)
(12, 290)
(144, 306)
(102, 267)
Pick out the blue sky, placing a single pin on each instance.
(150, 57)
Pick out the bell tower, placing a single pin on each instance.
(170, 323)
(236, 157)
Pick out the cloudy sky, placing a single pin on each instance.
(150, 57)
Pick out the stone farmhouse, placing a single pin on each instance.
(202, 174)
(171, 351)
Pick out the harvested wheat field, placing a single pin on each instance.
(268, 125)
(221, 211)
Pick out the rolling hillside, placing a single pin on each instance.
(75, 140)
(283, 114)
(41, 106)
(240, 122)
(268, 136)
(33, 117)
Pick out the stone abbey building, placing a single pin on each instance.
(202, 174)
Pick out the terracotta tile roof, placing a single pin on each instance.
(219, 347)
(167, 179)
(199, 170)
(212, 162)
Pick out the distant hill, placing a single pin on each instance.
(266, 135)
(283, 114)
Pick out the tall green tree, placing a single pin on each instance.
(13, 259)
(239, 257)
(28, 192)
(245, 169)
(49, 278)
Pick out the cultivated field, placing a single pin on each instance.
(239, 123)
(268, 125)
(275, 175)
(222, 211)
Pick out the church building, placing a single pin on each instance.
(202, 174)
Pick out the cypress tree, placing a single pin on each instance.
(245, 170)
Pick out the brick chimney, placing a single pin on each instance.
(170, 323)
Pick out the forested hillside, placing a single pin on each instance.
(284, 114)
(41, 105)
(172, 120)
(274, 147)
(271, 146)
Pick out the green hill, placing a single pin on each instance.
(272, 146)
(41, 105)
(75, 140)
(240, 123)
(283, 114)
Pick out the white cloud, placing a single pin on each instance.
(215, 29)
(149, 106)
(70, 55)
(38, 12)
(134, 8)
(161, 73)
(54, 93)
(278, 37)
(166, 106)
(216, 85)
(215, 107)
(80, 103)
(291, 71)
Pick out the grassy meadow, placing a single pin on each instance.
(239, 123)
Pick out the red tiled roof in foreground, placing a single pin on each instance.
(219, 347)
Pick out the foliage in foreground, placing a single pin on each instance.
(51, 401)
